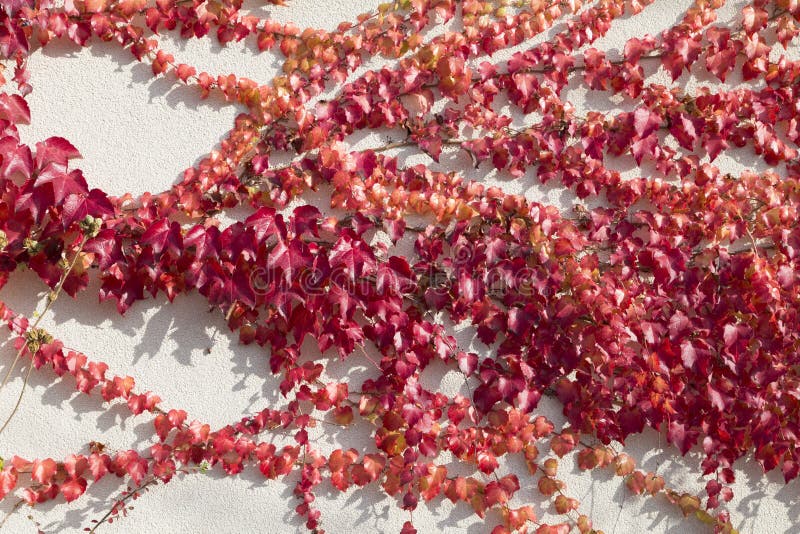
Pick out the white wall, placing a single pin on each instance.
(138, 134)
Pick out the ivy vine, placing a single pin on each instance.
(673, 306)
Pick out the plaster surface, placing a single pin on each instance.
(138, 134)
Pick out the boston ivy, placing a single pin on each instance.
(674, 306)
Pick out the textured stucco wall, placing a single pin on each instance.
(138, 134)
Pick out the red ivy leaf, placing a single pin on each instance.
(164, 235)
(43, 470)
(14, 108)
(8, 481)
(55, 150)
(73, 488)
